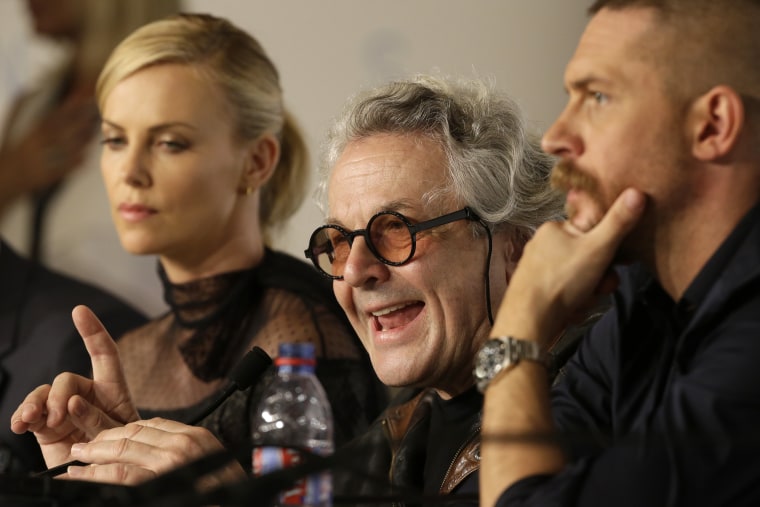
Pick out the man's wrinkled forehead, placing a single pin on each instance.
(386, 172)
(403, 206)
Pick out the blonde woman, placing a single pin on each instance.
(201, 163)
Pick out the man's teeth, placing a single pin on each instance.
(386, 311)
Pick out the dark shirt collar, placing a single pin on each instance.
(697, 291)
(680, 313)
(459, 407)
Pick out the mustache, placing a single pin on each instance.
(565, 176)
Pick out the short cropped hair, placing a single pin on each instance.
(707, 43)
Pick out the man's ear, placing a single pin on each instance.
(716, 123)
(261, 157)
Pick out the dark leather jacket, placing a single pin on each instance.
(388, 461)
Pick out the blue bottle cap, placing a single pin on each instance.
(300, 350)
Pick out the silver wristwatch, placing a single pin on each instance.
(498, 354)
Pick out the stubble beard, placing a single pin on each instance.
(565, 176)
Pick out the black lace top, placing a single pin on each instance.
(177, 364)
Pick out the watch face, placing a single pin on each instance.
(489, 361)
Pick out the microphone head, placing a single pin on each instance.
(246, 372)
(249, 369)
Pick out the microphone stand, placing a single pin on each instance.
(263, 490)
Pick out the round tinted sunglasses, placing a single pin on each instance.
(389, 235)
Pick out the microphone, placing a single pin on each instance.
(246, 372)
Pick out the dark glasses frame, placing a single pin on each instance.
(462, 214)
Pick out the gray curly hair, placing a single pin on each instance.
(496, 167)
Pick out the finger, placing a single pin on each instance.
(145, 428)
(159, 456)
(88, 418)
(168, 425)
(125, 450)
(622, 216)
(164, 433)
(65, 385)
(112, 473)
(194, 440)
(573, 229)
(159, 444)
(156, 445)
(31, 413)
(106, 366)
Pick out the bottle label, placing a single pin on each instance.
(311, 490)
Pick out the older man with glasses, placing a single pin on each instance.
(431, 188)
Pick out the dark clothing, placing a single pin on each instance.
(38, 341)
(408, 451)
(458, 416)
(214, 321)
(661, 404)
(423, 446)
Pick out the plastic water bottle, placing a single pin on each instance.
(294, 413)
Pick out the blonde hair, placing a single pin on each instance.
(236, 62)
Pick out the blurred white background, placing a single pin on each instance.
(327, 50)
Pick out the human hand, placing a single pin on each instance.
(75, 408)
(144, 449)
(53, 148)
(563, 270)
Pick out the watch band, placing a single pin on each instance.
(501, 353)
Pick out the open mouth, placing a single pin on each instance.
(397, 316)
